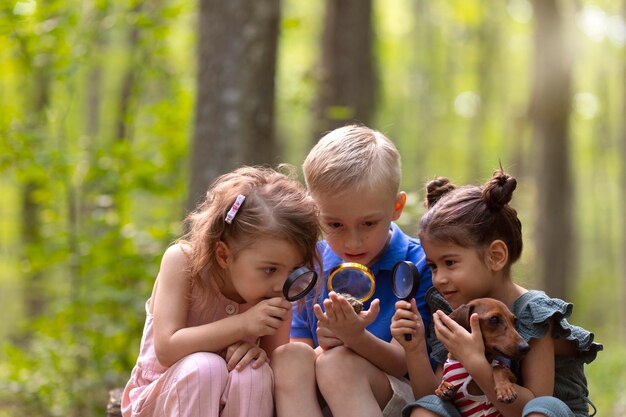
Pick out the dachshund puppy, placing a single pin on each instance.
(503, 344)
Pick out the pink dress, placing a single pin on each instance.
(198, 385)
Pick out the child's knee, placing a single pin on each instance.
(337, 363)
(546, 407)
(202, 365)
(295, 352)
(203, 368)
(293, 358)
(251, 379)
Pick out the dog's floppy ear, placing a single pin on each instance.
(462, 314)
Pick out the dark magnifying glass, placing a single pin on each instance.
(299, 283)
(405, 280)
(354, 279)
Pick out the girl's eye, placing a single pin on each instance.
(369, 224)
(334, 225)
(270, 270)
(431, 266)
(449, 262)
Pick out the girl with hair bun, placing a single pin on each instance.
(471, 236)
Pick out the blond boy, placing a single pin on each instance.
(343, 362)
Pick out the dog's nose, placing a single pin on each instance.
(522, 347)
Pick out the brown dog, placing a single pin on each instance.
(502, 344)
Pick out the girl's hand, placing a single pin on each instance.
(468, 348)
(266, 317)
(326, 338)
(341, 319)
(240, 354)
(407, 320)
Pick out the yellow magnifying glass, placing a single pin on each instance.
(354, 279)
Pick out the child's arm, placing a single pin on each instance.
(271, 342)
(468, 348)
(349, 327)
(174, 340)
(407, 320)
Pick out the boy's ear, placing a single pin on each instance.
(399, 205)
(497, 255)
(222, 254)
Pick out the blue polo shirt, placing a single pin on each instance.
(400, 248)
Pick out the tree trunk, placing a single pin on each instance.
(234, 116)
(549, 111)
(347, 79)
(622, 319)
(32, 241)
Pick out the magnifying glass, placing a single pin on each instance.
(354, 279)
(405, 280)
(299, 283)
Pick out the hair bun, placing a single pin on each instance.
(435, 189)
(498, 191)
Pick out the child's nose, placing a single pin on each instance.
(277, 287)
(353, 240)
(439, 279)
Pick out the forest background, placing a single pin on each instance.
(115, 115)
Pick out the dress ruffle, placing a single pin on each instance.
(534, 309)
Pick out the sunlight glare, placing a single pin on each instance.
(467, 104)
(586, 105)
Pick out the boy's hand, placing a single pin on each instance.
(240, 354)
(407, 320)
(341, 319)
(266, 317)
(325, 337)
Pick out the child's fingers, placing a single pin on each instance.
(321, 317)
(256, 355)
(475, 326)
(441, 330)
(341, 306)
(372, 313)
(234, 354)
(329, 310)
(258, 362)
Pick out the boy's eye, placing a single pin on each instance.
(334, 225)
(369, 224)
(449, 262)
(431, 266)
(270, 270)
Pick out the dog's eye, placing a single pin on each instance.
(494, 321)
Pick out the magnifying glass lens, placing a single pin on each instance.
(299, 283)
(352, 280)
(403, 281)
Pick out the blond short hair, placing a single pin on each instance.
(354, 158)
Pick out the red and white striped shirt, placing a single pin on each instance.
(468, 405)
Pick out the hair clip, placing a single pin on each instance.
(234, 208)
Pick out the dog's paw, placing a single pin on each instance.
(446, 391)
(505, 393)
